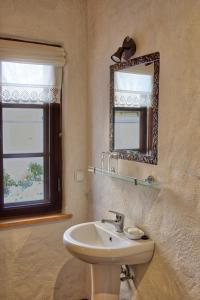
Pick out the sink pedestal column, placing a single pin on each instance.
(105, 282)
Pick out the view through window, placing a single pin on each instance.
(23, 154)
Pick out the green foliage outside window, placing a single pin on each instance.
(34, 173)
(8, 182)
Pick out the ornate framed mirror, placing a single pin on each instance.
(134, 97)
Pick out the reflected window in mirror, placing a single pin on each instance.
(130, 129)
(134, 108)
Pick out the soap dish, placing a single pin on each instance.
(133, 233)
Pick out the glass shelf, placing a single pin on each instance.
(149, 181)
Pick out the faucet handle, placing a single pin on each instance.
(119, 216)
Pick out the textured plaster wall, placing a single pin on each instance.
(33, 263)
(35, 266)
(170, 215)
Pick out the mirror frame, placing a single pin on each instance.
(128, 154)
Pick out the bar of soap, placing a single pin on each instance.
(133, 233)
(134, 230)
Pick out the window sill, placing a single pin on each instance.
(14, 222)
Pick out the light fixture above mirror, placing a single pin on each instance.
(125, 52)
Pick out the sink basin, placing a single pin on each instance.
(98, 243)
(105, 249)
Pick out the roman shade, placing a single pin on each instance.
(26, 52)
(30, 73)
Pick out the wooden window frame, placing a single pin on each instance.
(52, 153)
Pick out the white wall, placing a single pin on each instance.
(169, 215)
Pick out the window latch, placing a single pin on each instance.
(58, 185)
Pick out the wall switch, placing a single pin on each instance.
(79, 175)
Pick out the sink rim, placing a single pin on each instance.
(119, 236)
(130, 247)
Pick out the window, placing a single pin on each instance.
(30, 130)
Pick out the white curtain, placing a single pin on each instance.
(30, 73)
(132, 89)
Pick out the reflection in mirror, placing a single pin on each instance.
(134, 108)
(130, 132)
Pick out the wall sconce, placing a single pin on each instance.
(126, 51)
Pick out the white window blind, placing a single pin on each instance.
(31, 53)
(134, 88)
(30, 73)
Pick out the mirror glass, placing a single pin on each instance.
(134, 108)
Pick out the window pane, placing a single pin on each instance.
(22, 130)
(23, 179)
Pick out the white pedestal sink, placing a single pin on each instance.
(99, 245)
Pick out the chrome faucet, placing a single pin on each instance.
(118, 222)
